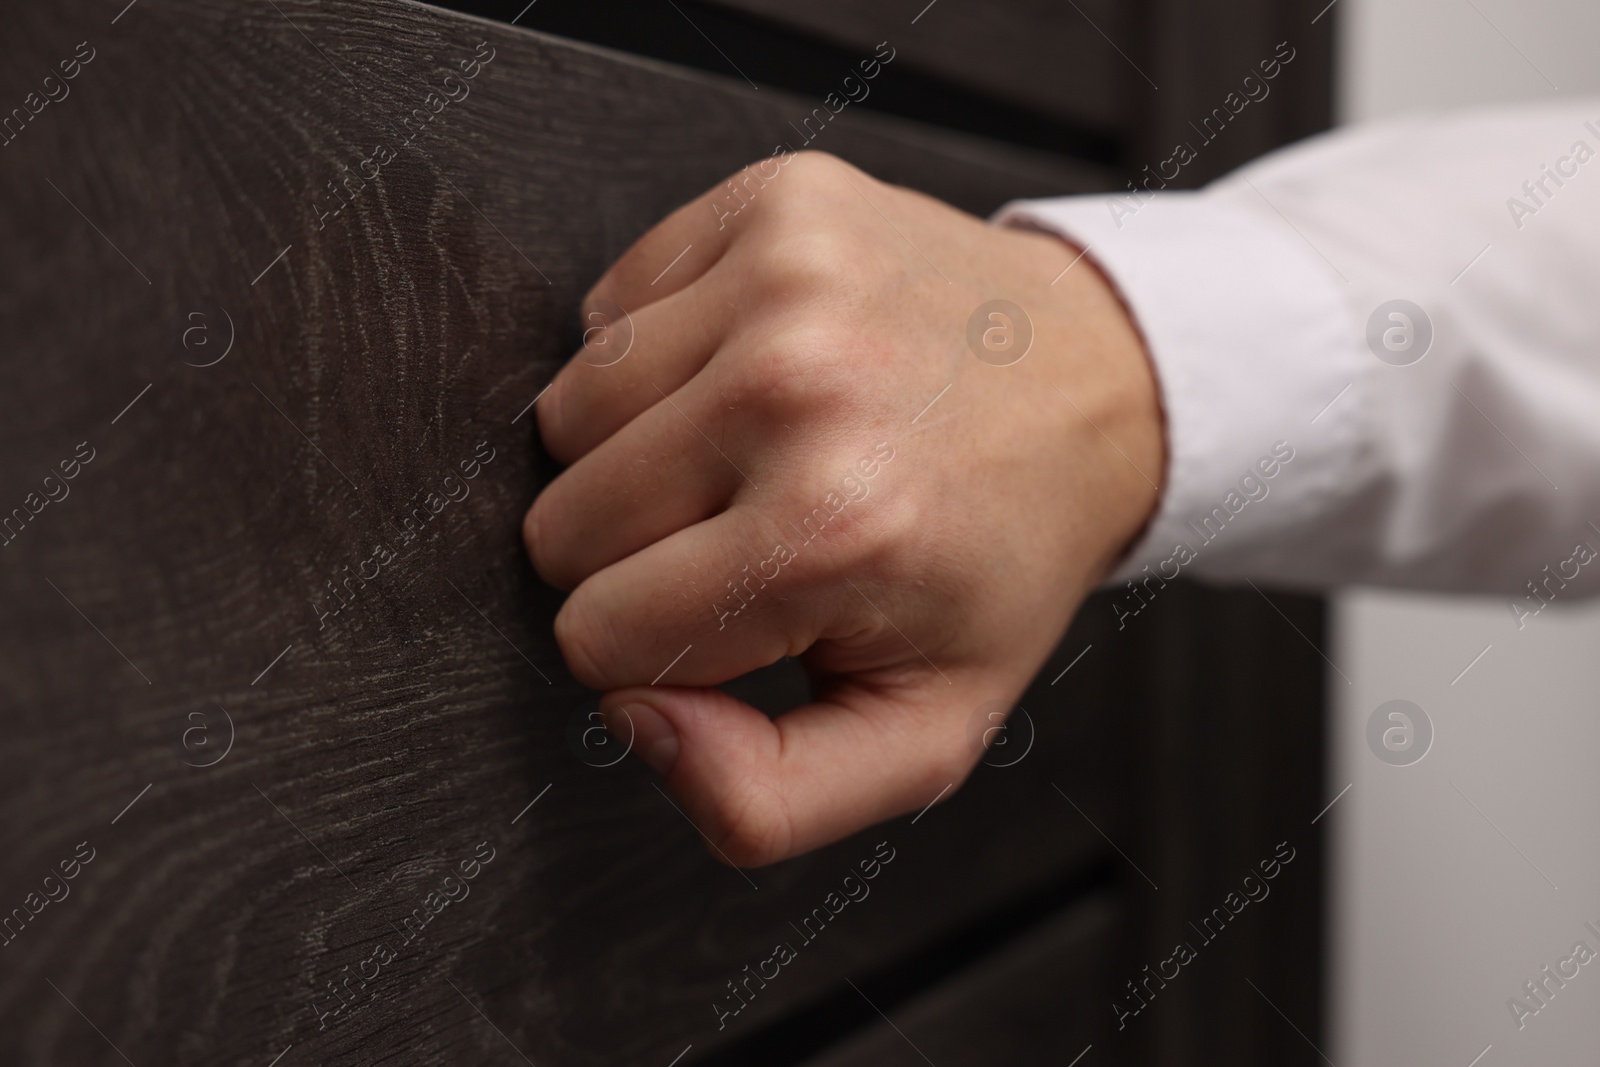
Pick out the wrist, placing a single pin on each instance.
(1101, 366)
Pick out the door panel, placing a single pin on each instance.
(278, 681)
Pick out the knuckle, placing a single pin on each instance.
(899, 528)
(752, 826)
(799, 372)
(806, 260)
(812, 166)
(786, 186)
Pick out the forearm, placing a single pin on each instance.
(1255, 297)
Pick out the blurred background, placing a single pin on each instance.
(1458, 878)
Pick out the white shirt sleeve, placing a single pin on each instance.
(1319, 433)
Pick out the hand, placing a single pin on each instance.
(762, 475)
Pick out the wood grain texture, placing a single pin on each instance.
(177, 585)
(382, 348)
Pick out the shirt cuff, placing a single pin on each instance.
(1251, 342)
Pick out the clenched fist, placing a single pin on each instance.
(816, 415)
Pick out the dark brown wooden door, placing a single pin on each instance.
(281, 281)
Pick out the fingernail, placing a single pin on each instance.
(650, 735)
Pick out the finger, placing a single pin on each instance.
(653, 479)
(694, 606)
(760, 790)
(683, 246)
(625, 365)
(667, 469)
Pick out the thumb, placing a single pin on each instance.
(760, 790)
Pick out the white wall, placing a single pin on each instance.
(1409, 55)
(1457, 878)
